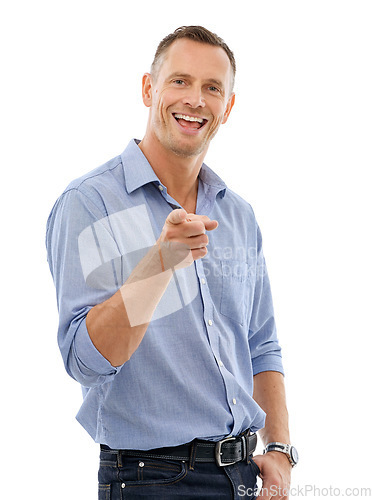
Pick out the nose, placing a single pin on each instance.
(194, 97)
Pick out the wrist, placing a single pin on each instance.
(280, 459)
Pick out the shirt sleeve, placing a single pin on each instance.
(72, 253)
(263, 340)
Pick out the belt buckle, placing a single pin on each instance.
(218, 452)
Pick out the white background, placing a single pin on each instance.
(297, 146)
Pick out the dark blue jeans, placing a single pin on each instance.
(121, 477)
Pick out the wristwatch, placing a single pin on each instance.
(287, 449)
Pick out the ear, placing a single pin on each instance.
(229, 106)
(147, 89)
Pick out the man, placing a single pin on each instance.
(175, 345)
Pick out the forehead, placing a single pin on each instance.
(198, 59)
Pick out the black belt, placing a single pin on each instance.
(228, 451)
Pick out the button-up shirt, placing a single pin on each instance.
(212, 331)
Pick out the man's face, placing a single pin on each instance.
(190, 97)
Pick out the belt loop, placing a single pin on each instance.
(194, 446)
(119, 456)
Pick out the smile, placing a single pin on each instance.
(190, 123)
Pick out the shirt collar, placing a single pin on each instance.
(212, 180)
(138, 171)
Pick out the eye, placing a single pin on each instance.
(214, 89)
(178, 82)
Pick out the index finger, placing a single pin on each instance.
(208, 223)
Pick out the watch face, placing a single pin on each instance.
(294, 454)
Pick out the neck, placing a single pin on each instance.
(178, 173)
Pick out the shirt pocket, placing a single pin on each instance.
(236, 289)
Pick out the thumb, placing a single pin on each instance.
(176, 216)
(259, 461)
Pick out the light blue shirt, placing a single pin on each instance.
(213, 330)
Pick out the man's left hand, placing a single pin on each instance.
(275, 474)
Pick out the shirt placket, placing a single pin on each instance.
(212, 330)
(204, 206)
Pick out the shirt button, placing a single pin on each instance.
(161, 187)
(123, 485)
(202, 281)
(141, 464)
(220, 362)
(210, 322)
(234, 401)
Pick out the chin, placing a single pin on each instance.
(186, 149)
(187, 152)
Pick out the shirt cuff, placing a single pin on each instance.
(88, 355)
(267, 363)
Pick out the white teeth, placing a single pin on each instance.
(189, 118)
